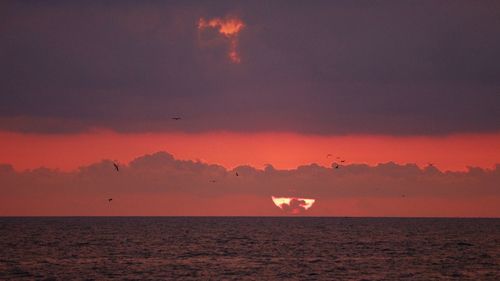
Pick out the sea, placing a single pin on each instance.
(248, 248)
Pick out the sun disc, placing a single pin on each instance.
(293, 205)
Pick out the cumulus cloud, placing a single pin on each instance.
(160, 175)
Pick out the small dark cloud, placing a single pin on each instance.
(6, 168)
(296, 206)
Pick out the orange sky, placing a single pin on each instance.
(282, 150)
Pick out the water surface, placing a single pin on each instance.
(225, 248)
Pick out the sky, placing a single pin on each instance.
(406, 94)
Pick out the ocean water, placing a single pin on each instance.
(253, 248)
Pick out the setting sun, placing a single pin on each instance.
(293, 205)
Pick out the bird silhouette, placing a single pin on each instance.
(110, 199)
(213, 181)
(237, 174)
(176, 118)
(337, 166)
(116, 166)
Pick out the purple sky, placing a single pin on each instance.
(328, 67)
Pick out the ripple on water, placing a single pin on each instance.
(249, 248)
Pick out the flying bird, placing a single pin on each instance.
(213, 181)
(176, 118)
(110, 199)
(116, 166)
(339, 159)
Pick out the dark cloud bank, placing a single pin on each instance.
(160, 173)
(326, 67)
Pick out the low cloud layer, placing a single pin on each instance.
(151, 177)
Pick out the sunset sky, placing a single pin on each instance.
(406, 93)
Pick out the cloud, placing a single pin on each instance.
(325, 68)
(160, 175)
(229, 27)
